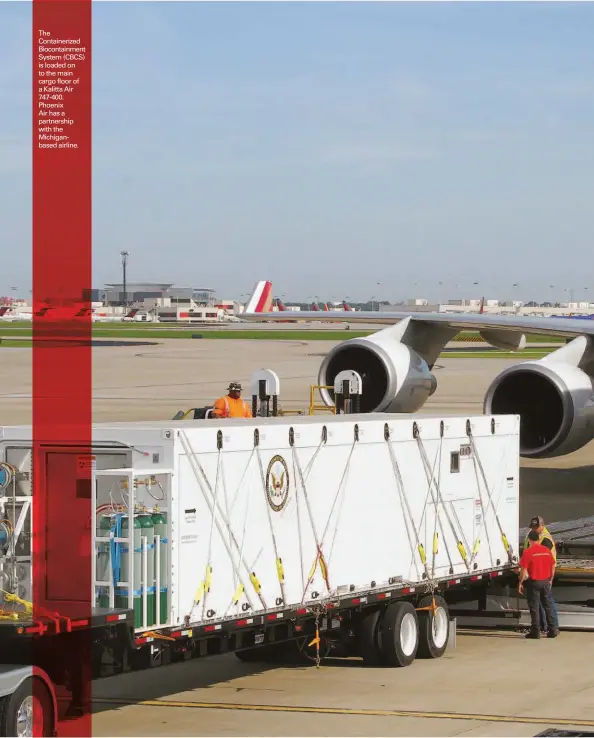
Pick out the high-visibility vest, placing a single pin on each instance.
(227, 413)
(544, 535)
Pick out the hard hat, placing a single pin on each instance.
(234, 387)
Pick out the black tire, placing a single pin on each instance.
(433, 631)
(368, 640)
(399, 634)
(31, 693)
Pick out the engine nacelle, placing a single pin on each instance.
(395, 378)
(555, 402)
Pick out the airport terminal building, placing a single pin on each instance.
(136, 294)
(162, 302)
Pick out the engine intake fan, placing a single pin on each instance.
(395, 378)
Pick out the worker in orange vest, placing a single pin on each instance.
(231, 405)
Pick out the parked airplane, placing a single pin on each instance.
(553, 396)
(111, 318)
(6, 314)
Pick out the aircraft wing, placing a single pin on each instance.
(566, 327)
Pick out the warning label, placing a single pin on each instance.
(85, 464)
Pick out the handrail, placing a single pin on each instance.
(312, 404)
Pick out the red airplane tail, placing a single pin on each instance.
(261, 299)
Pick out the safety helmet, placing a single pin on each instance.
(234, 387)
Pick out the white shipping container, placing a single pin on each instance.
(272, 514)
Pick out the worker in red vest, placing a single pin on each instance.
(231, 405)
(537, 570)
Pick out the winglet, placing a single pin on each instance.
(261, 299)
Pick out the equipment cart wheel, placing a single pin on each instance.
(28, 711)
(433, 627)
(369, 638)
(399, 633)
(302, 653)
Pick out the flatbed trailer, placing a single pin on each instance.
(419, 511)
(31, 650)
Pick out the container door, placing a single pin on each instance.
(67, 534)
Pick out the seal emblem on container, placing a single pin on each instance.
(277, 483)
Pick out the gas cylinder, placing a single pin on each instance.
(121, 599)
(148, 530)
(103, 527)
(160, 522)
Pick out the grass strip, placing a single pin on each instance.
(154, 332)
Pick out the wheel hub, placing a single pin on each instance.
(440, 627)
(29, 719)
(408, 634)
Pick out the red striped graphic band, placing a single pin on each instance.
(62, 410)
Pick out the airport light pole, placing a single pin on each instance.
(125, 256)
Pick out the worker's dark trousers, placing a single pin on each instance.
(537, 592)
(543, 615)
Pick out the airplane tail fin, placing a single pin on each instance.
(482, 306)
(261, 299)
(326, 308)
(315, 307)
(280, 305)
(346, 307)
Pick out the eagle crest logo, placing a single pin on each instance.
(277, 483)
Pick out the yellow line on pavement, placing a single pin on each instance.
(347, 711)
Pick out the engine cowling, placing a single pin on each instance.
(395, 378)
(555, 402)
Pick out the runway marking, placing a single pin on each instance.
(348, 711)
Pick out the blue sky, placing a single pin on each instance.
(327, 146)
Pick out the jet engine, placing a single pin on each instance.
(555, 402)
(395, 378)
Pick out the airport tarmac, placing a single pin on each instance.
(480, 688)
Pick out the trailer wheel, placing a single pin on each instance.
(369, 638)
(433, 628)
(399, 632)
(28, 711)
